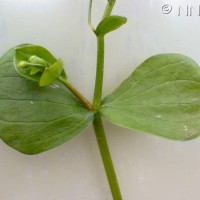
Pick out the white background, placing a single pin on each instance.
(148, 167)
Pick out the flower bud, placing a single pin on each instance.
(37, 60)
(23, 64)
(37, 63)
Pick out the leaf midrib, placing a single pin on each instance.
(32, 122)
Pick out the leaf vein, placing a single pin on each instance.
(137, 81)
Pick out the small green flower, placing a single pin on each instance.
(38, 64)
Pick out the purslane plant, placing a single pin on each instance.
(40, 109)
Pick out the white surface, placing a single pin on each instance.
(148, 167)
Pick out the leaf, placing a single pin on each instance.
(34, 119)
(161, 97)
(109, 24)
(51, 73)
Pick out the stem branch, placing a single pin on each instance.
(81, 98)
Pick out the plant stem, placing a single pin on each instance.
(82, 99)
(106, 157)
(109, 8)
(99, 74)
(97, 123)
(100, 59)
(89, 16)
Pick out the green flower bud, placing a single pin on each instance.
(37, 60)
(23, 64)
(37, 63)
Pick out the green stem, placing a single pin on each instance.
(89, 16)
(109, 8)
(100, 61)
(97, 123)
(99, 73)
(81, 98)
(106, 157)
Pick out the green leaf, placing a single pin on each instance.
(51, 73)
(162, 97)
(109, 24)
(34, 119)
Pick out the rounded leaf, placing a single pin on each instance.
(162, 97)
(109, 24)
(34, 119)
